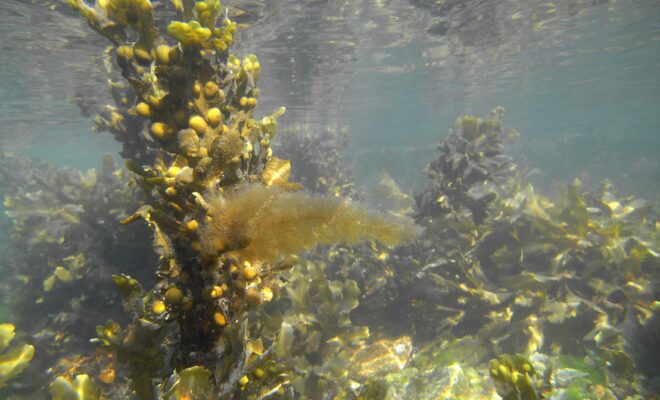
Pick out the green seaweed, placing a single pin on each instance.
(81, 388)
(198, 237)
(13, 360)
(219, 205)
(513, 377)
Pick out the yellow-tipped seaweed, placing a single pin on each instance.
(82, 388)
(16, 359)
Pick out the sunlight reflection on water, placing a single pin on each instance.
(579, 82)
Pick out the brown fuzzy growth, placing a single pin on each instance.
(227, 147)
(259, 223)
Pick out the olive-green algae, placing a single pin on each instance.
(499, 269)
(80, 388)
(201, 149)
(517, 271)
(268, 342)
(15, 359)
(63, 256)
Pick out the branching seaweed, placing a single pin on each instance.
(497, 270)
(222, 211)
(264, 224)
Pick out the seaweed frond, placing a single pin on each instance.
(261, 223)
(14, 360)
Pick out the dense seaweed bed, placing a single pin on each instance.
(186, 268)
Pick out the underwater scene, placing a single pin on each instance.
(329, 199)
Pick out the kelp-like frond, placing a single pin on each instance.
(14, 360)
(261, 223)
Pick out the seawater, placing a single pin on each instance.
(580, 83)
